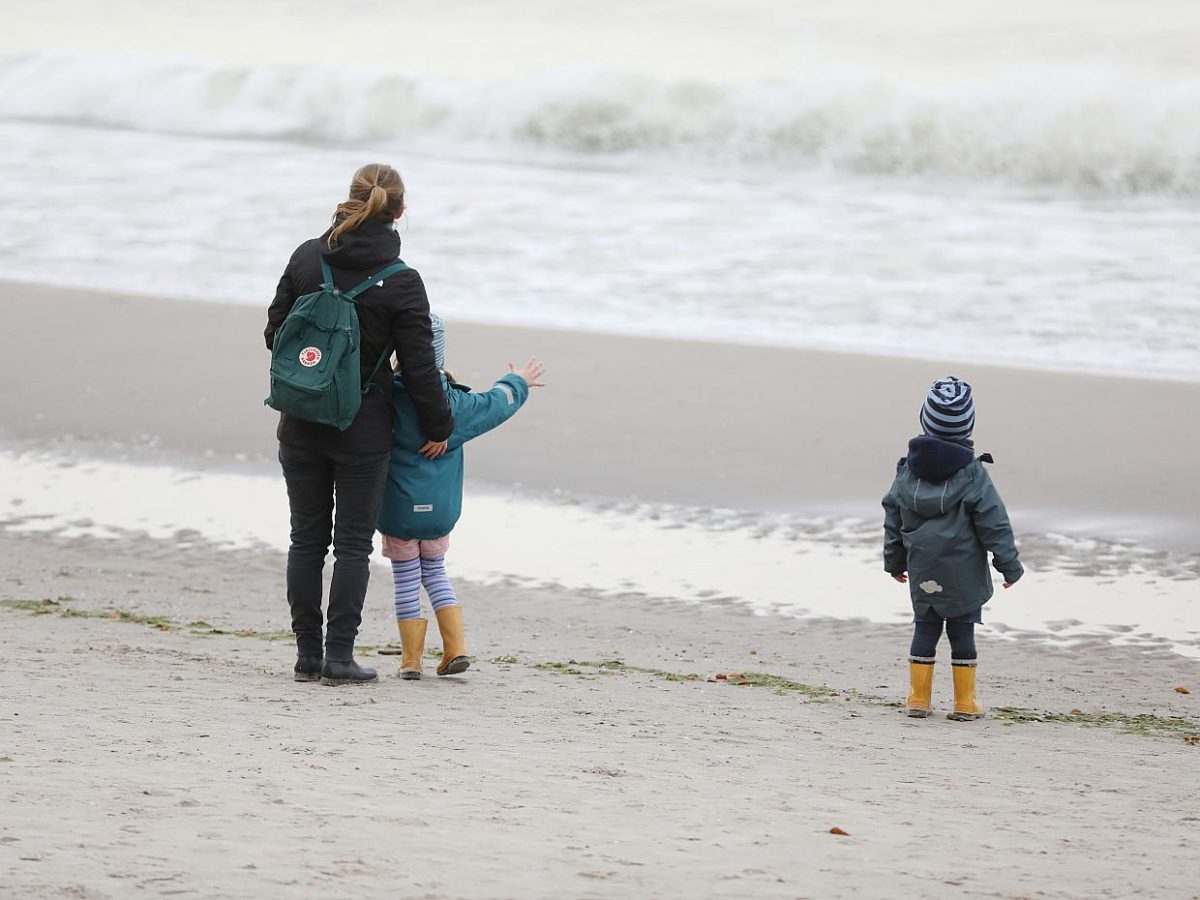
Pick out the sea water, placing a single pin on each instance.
(784, 566)
(927, 179)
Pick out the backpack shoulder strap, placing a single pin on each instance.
(377, 277)
(327, 275)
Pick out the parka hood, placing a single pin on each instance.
(932, 459)
(371, 245)
(935, 476)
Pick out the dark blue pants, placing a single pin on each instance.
(315, 480)
(927, 631)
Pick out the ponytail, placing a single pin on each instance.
(376, 192)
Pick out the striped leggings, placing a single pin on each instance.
(410, 575)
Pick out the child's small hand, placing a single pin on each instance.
(1008, 584)
(531, 371)
(433, 449)
(902, 578)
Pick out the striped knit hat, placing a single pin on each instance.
(949, 411)
(439, 340)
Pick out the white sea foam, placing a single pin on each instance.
(1100, 129)
(802, 569)
(957, 276)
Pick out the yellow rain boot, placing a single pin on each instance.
(965, 706)
(920, 676)
(412, 641)
(454, 648)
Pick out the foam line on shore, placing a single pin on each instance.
(680, 557)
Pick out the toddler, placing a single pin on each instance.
(942, 517)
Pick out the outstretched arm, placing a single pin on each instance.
(476, 414)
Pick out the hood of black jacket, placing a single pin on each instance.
(934, 460)
(371, 245)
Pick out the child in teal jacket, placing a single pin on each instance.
(422, 502)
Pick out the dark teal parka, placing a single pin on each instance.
(422, 499)
(942, 517)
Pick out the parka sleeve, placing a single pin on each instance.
(994, 529)
(285, 299)
(476, 414)
(412, 336)
(895, 559)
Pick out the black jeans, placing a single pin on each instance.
(315, 480)
(927, 631)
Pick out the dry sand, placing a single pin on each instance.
(136, 761)
(144, 755)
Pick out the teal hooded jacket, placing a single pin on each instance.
(942, 517)
(422, 499)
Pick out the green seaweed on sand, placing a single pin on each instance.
(1188, 729)
(1141, 724)
(781, 685)
(198, 627)
(36, 607)
(559, 668)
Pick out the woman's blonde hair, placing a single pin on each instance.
(376, 192)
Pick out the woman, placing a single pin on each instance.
(321, 463)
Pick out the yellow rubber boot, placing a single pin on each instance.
(412, 641)
(965, 706)
(920, 702)
(454, 647)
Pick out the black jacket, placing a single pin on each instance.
(395, 316)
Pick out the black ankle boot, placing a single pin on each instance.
(345, 672)
(308, 668)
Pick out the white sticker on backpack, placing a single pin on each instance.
(423, 507)
(309, 357)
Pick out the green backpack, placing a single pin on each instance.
(316, 374)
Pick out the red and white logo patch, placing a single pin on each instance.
(310, 356)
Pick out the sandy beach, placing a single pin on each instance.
(145, 754)
(745, 237)
(155, 745)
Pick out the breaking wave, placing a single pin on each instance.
(1093, 129)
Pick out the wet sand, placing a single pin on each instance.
(665, 421)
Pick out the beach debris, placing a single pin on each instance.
(731, 678)
(1182, 690)
(606, 772)
(836, 830)
(1077, 712)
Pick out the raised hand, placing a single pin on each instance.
(531, 371)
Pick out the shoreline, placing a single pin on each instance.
(808, 433)
(1078, 593)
